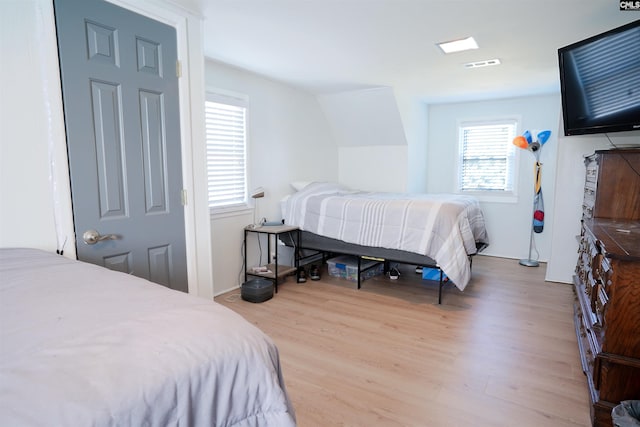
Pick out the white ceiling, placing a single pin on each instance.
(327, 46)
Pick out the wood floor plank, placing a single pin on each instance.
(501, 353)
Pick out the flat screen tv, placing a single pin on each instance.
(600, 82)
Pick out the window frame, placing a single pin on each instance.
(222, 96)
(513, 157)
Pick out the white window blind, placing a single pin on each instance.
(487, 157)
(225, 122)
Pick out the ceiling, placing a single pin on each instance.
(328, 46)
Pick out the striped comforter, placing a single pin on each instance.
(444, 227)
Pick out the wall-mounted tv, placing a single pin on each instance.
(600, 82)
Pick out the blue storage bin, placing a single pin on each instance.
(429, 273)
(346, 267)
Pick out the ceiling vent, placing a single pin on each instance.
(486, 63)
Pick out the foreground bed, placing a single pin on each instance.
(441, 230)
(82, 345)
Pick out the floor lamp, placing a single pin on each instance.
(529, 262)
(526, 142)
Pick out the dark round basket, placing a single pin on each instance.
(257, 290)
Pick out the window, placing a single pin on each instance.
(226, 133)
(487, 157)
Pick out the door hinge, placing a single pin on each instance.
(183, 197)
(178, 69)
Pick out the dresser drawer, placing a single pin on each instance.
(589, 320)
(587, 354)
(587, 350)
(589, 196)
(602, 275)
(599, 301)
(591, 165)
(587, 211)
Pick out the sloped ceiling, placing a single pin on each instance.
(329, 46)
(364, 117)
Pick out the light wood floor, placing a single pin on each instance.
(501, 353)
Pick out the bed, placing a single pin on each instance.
(439, 230)
(83, 345)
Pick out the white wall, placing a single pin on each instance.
(366, 117)
(374, 168)
(369, 130)
(35, 209)
(399, 167)
(32, 149)
(508, 223)
(289, 140)
(569, 184)
(415, 119)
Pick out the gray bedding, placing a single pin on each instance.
(81, 345)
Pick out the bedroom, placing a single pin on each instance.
(305, 149)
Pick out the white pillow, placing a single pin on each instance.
(299, 185)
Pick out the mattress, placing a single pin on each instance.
(83, 345)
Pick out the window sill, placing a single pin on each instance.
(492, 197)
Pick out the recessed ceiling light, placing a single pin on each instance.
(486, 63)
(458, 45)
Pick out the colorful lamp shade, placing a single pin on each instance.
(520, 142)
(544, 136)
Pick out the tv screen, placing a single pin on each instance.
(600, 82)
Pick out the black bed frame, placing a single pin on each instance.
(325, 245)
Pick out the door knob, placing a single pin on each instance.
(91, 237)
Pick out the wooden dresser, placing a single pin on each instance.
(607, 281)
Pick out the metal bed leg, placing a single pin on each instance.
(359, 265)
(440, 288)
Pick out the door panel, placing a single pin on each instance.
(151, 117)
(120, 95)
(118, 262)
(106, 112)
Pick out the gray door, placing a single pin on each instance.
(120, 95)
